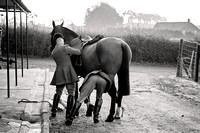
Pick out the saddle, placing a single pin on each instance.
(89, 41)
(79, 43)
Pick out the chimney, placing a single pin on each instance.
(188, 20)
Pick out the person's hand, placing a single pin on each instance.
(67, 45)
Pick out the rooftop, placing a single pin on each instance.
(19, 3)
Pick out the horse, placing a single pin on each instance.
(110, 54)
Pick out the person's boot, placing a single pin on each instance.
(75, 108)
(97, 108)
(70, 103)
(56, 100)
(90, 110)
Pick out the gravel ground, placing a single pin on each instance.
(159, 102)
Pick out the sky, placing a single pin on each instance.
(74, 10)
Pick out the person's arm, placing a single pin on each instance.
(72, 51)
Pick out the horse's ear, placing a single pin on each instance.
(62, 24)
(53, 23)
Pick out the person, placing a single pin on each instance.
(95, 80)
(64, 75)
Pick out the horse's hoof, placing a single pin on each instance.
(96, 121)
(120, 110)
(53, 115)
(68, 122)
(117, 117)
(110, 119)
(77, 114)
(88, 114)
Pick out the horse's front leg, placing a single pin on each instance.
(112, 93)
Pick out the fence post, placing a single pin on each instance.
(197, 64)
(179, 60)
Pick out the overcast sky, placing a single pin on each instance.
(74, 10)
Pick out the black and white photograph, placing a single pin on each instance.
(99, 66)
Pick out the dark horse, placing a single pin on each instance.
(111, 55)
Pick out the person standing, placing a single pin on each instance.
(64, 75)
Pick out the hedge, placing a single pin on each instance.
(145, 48)
(151, 49)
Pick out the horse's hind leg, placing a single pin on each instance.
(119, 108)
(112, 92)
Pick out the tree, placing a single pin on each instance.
(102, 15)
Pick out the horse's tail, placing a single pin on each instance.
(123, 73)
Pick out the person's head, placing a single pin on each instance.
(58, 35)
(60, 41)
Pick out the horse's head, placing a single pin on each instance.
(65, 32)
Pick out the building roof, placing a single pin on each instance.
(176, 26)
(19, 3)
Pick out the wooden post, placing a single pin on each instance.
(197, 64)
(179, 60)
